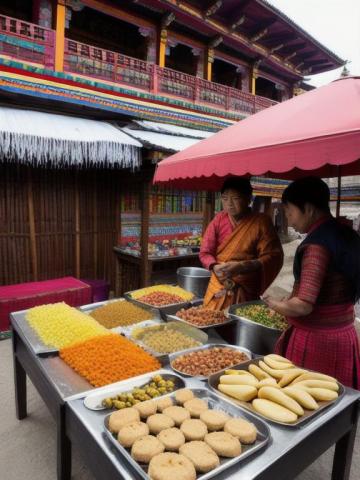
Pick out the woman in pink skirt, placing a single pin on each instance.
(320, 311)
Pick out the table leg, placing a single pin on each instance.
(344, 450)
(63, 447)
(19, 381)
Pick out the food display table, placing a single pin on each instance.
(288, 453)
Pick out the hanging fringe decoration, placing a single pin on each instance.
(44, 151)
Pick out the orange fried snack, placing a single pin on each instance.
(108, 359)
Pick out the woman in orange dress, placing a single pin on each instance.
(240, 248)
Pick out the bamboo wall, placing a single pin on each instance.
(55, 223)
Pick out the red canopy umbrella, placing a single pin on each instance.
(316, 133)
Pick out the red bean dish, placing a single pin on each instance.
(201, 317)
(207, 362)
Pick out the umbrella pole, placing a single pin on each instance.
(338, 200)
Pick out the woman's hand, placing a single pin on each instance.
(294, 307)
(230, 269)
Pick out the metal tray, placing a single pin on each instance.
(188, 330)
(93, 400)
(213, 382)
(36, 344)
(234, 307)
(216, 403)
(205, 327)
(93, 306)
(127, 331)
(209, 346)
(164, 310)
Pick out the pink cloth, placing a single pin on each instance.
(26, 295)
(217, 231)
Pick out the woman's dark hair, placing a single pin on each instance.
(311, 190)
(240, 184)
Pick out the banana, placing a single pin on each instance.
(244, 393)
(279, 397)
(314, 376)
(278, 358)
(302, 397)
(257, 372)
(278, 374)
(318, 384)
(267, 382)
(239, 380)
(277, 365)
(290, 376)
(273, 411)
(321, 394)
(237, 372)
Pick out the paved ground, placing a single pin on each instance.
(28, 449)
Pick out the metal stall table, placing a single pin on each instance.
(53, 379)
(289, 452)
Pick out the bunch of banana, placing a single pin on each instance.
(278, 389)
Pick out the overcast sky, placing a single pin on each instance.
(334, 23)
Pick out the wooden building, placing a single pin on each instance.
(202, 65)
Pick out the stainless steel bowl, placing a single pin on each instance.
(194, 280)
(254, 336)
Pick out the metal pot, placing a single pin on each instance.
(254, 336)
(193, 279)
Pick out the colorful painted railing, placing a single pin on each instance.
(26, 41)
(99, 63)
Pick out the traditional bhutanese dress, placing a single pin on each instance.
(254, 237)
(326, 339)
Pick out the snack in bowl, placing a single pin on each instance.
(263, 315)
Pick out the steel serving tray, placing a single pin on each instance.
(163, 310)
(93, 306)
(208, 346)
(93, 399)
(187, 330)
(201, 327)
(213, 382)
(216, 403)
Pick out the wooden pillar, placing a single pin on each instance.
(209, 209)
(209, 60)
(95, 224)
(162, 47)
(145, 221)
(60, 35)
(253, 76)
(77, 226)
(33, 247)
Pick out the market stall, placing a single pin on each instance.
(58, 347)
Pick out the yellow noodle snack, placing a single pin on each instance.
(119, 314)
(59, 325)
(178, 291)
(108, 359)
(167, 340)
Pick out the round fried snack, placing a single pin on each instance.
(145, 448)
(171, 466)
(131, 432)
(178, 414)
(120, 418)
(194, 429)
(214, 419)
(146, 408)
(223, 444)
(163, 403)
(201, 455)
(196, 406)
(183, 395)
(172, 439)
(159, 422)
(241, 429)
